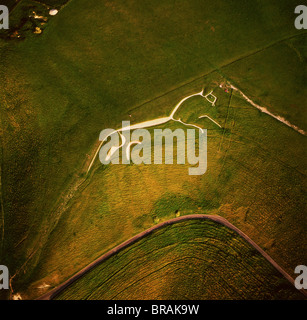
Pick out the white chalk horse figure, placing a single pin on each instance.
(150, 123)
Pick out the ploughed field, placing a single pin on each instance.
(197, 259)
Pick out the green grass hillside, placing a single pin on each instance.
(188, 260)
(247, 164)
(96, 63)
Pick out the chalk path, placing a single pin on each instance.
(265, 110)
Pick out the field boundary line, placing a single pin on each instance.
(216, 69)
(53, 293)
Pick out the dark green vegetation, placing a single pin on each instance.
(178, 261)
(27, 15)
(96, 63)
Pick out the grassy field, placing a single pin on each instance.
(238, 153)
(278, 80)
(97, 62)
(188, 260)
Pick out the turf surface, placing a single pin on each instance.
(97, 62)
(189, 260)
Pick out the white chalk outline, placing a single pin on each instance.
(151, 123)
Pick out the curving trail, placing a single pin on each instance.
(51, 294)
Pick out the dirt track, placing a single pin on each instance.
(51, 294)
